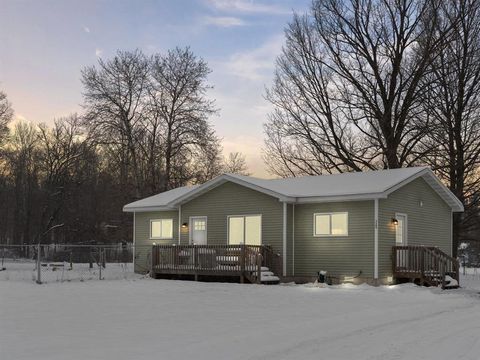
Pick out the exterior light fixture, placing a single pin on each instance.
(394, 221)
(154, 243)
(184, 225)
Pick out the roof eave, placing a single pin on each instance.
(340, 198)
(148, 208)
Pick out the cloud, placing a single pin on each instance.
(86, 29)
(223, 21)
(98, 52)
(247, 6)
(258, 63)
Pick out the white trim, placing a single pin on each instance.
(179, 224)
(244, 226)
(148, 208)
(451, 233)
(284, 239)
(293, 239)
(339, 198)
(190, 218)
(161, 238)
(330, 235)
(405, 232)
(375, 231)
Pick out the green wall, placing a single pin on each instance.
(143, 243)
(232, 199)
(338, 255)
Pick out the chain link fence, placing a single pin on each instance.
(63, 262)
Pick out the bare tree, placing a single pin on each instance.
(180, 105)
(236, 164)
(6, 115)
(114, 96)
(347, 85)
(63, 149)
(23, 171)
(453, 104)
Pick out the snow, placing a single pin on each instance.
(61, 272)
(159, 200)
(351, 183)
(140, 318)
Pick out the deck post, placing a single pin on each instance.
(242, 262)
(259, 268)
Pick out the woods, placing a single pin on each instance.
(374, 84)
(144, 129)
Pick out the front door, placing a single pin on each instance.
(401, 240)
(401, 230)
(198, 230)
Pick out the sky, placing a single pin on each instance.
(45, 44)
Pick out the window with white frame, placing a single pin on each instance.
(330, 224)
(161, 229)
(245, 229)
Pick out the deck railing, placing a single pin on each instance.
(245, 261)
(427, 263)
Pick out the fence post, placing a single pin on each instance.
(100, 264)
(39, 265)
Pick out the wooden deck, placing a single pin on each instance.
(254, 263)
(426, 264)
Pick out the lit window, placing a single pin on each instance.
(245, 230)
(161, 229)
(330, 224)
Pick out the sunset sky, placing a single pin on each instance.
(44, 45)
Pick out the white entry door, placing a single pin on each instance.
(401, 230)
(198, 230)
(401, 240)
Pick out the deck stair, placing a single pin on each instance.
(426, 265)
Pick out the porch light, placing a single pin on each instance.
(184, 225)
(154, 243)
(394, 221)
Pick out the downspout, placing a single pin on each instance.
(179, 224)
(375, 259)
(284, 239)
(134, 245)
(293, 239)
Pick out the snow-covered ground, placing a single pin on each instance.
(140, 318)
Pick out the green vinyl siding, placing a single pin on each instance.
(338, 255)
(143, 242)
(233, 199)
(427, 224)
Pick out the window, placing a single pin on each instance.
(245, 229)
(199, 224)
(330, 224)
(161, 229)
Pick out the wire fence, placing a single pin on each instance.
(64, 262)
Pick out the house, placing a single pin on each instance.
(374, 227)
